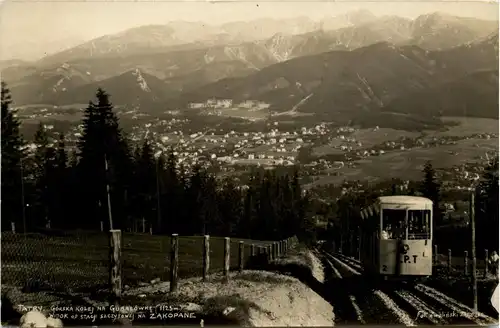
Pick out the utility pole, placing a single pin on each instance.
(110, 216)
(472, 212)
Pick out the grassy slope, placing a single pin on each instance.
(259, 298)
(80, 260)
(457, 285)
(256, 296)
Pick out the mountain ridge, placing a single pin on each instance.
(367, 78)
(196, 70)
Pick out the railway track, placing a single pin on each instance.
(356, 301)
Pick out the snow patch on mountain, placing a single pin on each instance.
(141, 81)
(56, 86)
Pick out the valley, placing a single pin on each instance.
(326, 152)
(349, 97)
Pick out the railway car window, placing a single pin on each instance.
(393, 224)
(418, 224)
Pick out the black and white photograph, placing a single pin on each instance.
(245, 163)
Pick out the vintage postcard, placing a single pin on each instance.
(249, 163)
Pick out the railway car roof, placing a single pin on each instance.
(404, 200)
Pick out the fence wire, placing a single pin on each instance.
(147, 257)
(78, 262)
(55, 262)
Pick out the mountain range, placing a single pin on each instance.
(364, 78)
(350, 63)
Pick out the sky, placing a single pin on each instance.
(28, 23)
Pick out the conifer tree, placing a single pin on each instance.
(230, 207)
(62, 194)
(44, 168)
(195, 219)
(487, 196)
(101, 144)
(210, 200)
(431, 188)
(12, 161)
(172, 193)
(145, 187)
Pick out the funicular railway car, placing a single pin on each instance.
(396, 241)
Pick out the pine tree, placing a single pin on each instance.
(209, 206)
(231, 208)
(101, 144)
(44, 167)
(171, 193)
(62, 196)
(12, 161)
(194, 220)
(248, 226)
(487, 196)
(145, 183)
(431, 189)
(62, 155)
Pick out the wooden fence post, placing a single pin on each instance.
(486, 255)
(115, 265)
(449, 260)
(13, 227)
(252, 250)
(435, 254)
(227, 257)
(151, 229)
(174, 261)
(102, 226)
(466, 262)
(206, 257)
(241, 255)
(143, 225)
(268, 251)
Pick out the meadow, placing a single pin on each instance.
(79, 260)
(408, 164)
(468, 126)
(367, 137)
